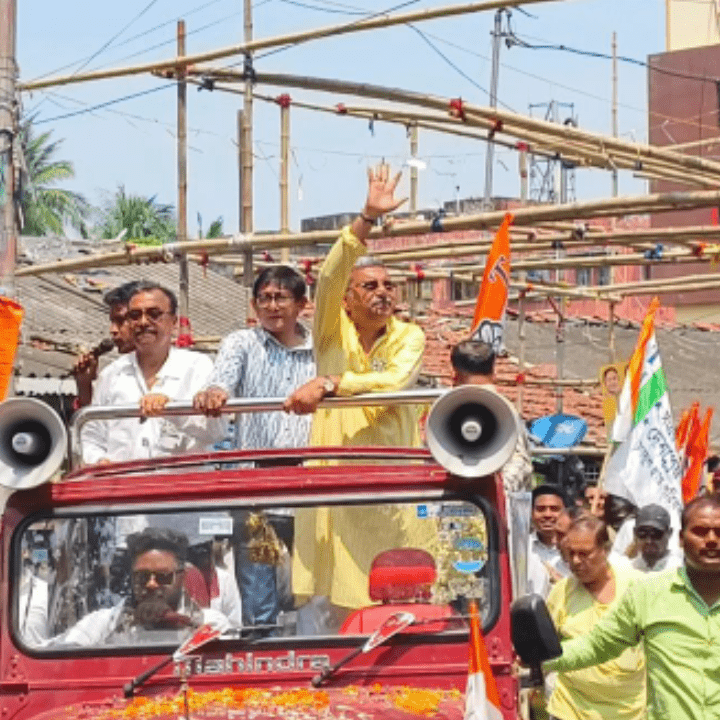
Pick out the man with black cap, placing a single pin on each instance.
(548, 502)
(652, 533)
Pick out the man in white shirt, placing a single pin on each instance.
(159, 609)
(652, 534)
(154, 374)
(548, 502)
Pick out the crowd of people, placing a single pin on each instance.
(639, 619)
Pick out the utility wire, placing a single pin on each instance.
(516, 40)
(454, 66)
(349, 25)
(100, 106)
(115, 36)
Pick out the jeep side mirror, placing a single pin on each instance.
(533, 633)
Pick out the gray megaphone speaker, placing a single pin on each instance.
(472, 431)
(33, 442)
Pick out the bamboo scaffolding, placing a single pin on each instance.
(580, 153)
(371, 23)
(652, 285)
(523, 216)
(504, 121)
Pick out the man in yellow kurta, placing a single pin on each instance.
(360, 347)
(614, 690)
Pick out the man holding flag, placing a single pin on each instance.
(644, 467)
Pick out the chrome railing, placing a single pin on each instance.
(240, 405)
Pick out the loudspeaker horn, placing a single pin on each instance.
(472, 431)
(33, 442)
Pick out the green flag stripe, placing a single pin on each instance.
(650, 393)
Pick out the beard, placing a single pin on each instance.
(156, 614)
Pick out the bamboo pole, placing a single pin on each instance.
(371, 23)
(246, 148)
(184, 274)
(523, 216)
(548, 145)
(285, 175)
(486, 117)
(611, 331)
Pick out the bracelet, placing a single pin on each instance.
(368, 219)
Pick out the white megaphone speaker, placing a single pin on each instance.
(472, 431)
(33, 442)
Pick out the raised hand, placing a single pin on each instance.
(381, 192)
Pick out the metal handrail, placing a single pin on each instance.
(243, 405)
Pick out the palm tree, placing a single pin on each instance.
(47, 209)
(143, 218)
(216, 228)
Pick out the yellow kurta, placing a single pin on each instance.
(335, 546)
(615, 690)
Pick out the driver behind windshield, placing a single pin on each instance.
(159, 609)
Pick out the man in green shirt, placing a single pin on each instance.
(676, 615)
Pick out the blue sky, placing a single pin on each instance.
(132, 142)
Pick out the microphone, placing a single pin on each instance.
(104, 346)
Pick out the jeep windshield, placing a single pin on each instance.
(88, 581)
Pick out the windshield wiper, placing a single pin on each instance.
(202, 636)
(392, 626)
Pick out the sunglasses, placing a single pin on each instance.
(152, 313)
(649, 534)
(142, 577)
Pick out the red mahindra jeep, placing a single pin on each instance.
(64, 566)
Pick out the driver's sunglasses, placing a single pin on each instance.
(142, 577)
(153, 313)
(649, 534)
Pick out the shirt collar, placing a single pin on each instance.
(306, 344)
(682, 582)
(170, 368)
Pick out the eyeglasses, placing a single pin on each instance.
(266, 299)
(372, 286)
(142, 577)
(153, 314)
(649, 534)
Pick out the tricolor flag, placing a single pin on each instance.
(644, 467)
(493, 295)
(482, 701)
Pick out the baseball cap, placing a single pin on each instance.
(653, 516)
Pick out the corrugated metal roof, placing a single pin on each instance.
(65, 311)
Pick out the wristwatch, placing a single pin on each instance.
(328, 386)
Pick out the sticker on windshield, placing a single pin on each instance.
(215, 525)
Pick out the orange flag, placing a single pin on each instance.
(11, 314)
(492, 298)
(697, 449)
(683, 428)
(482, 700)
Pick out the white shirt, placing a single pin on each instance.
(122, 383)
(33, 609)
(669, 561)
(539, 556)
(228, 600)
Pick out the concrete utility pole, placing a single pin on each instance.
(184, 298)
(8, 134)
(246, 176)
(614, 107)
(490, 151)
